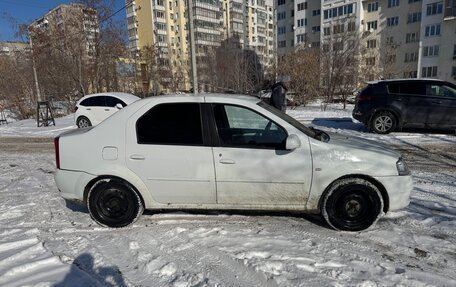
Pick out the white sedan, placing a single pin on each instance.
(93, 109)
(225, 152)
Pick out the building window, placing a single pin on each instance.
(372, 44)
(338, 28)
(282, 44)
(327, 31)
(302, 6)
(338, 11)
(393, 3)
(316, 12)
(453, 72)
(413, 1)
(371, 7)
(430, 51)
(315, 29)
(281, 15)
(302, 22)
(372, 25)
(412, 37)
(281, 30)
(411, 74)
(393, 21)
(370, 61)
(434, 8)
(429, 71)
(351, 26)
(432, 30)
(414, 17)
(301, 38)
(280, 2)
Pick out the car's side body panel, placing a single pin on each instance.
(170, 176)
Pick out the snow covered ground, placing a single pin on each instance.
(45, 242)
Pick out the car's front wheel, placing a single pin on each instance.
(383, 122)
(352, 204)
(83, 122)
(114, 203)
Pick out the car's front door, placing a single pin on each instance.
(166, 148)
(251, 164)
(443, 100)
(111, 105)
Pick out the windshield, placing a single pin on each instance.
(308, 131)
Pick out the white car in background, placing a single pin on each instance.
(93, 109)
(225, 152)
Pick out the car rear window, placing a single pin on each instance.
(171, 124)
(98, 101)
(408, 88)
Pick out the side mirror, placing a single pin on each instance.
(293, 142)
(119, 106)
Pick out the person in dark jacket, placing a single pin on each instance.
(279, 93)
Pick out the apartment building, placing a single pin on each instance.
(14, 49)
(253, 21)
(397, 38)
(164, 25)
(72, 20)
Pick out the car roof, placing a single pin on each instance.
(127, 98)
(206, 97)
(405, 80)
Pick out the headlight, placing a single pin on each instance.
(402, 168)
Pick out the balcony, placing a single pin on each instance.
(207, 6)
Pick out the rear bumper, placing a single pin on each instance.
(359, 116)
(71, 184)
(398, 189)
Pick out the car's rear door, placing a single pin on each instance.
(411, 97)
(251, 164)
(167, 149)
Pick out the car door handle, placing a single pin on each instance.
(227, 161)
(397, 99)
(107, 110)
(437, 102)
(88, 109)
(137, 157)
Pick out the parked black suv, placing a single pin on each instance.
(388, 105)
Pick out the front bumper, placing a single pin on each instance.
(398, 189)
(71, 184)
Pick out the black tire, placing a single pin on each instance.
(83, 122)
(383, 122)
(114, 203)
(352, 204)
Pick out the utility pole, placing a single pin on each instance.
(192, 47)
(35, 76)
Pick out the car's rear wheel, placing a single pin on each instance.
(352, 204)
(383, 122)
(83, 122)
(114, 203)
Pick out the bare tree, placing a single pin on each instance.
(237, 70)
(303, 66)
(339, 61)
(16, 85)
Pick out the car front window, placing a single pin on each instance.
(241, 127)
(306, 130)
